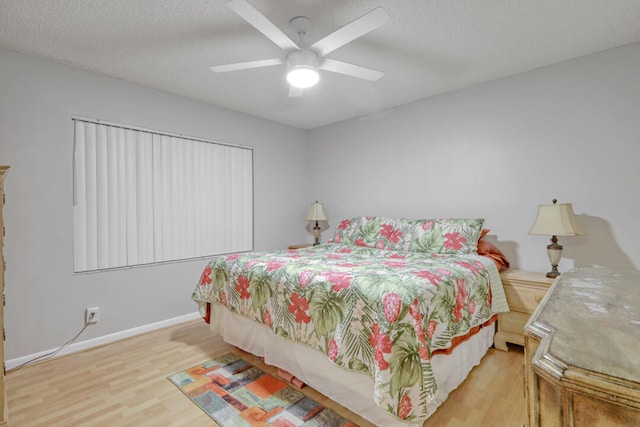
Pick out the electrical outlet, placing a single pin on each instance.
(92, 315)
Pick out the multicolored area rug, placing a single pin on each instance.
(236, 394)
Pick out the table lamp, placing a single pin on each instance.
(316, 213)
(555, 220)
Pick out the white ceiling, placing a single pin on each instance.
(428, 46)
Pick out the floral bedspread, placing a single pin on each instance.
(380, 312)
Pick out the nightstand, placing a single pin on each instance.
(524, 292)
(304, 245)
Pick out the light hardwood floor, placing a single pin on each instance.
(124, 384)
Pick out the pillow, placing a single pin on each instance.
(484, 232)
(441, 235)
(490, 250)
(371, 231)
(345, 230)
(445, 235)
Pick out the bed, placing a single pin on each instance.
(386, 318)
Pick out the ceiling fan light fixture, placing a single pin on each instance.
(303, 77)
(302, 68)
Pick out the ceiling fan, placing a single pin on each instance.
(304, 61)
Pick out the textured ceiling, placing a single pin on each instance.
(428, 46)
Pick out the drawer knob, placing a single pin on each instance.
(538, 298)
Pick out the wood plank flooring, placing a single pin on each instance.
(124, 384)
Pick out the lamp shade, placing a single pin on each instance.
(556, 220)
(316, 213)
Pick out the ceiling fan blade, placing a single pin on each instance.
(295, 92)
(250, 14)
(245, 65)
(361, 26)
(350, 69)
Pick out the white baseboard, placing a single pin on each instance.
(105, 339)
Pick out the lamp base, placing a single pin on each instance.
(554, 272)
(554, 252)
(316, 234)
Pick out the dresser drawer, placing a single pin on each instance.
(525, 299)
(513, 322)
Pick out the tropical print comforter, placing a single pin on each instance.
(380, 312)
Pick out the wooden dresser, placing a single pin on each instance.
(3, 394)
(524, 291)
(582, 351)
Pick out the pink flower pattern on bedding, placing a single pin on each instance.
(379, 312)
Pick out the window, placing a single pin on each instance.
(144, 197)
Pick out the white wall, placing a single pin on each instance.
(570, 131)
(45, 300)
(497, 150)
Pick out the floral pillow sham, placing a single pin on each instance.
(436, 236)
(446, 235)
(372, 232)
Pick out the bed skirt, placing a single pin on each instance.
(352, 390)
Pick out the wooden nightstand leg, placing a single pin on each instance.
(500, 341)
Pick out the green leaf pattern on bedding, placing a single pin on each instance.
(378, 312)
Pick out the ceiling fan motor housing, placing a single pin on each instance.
(302, 68)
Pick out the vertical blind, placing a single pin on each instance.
(144, 197)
